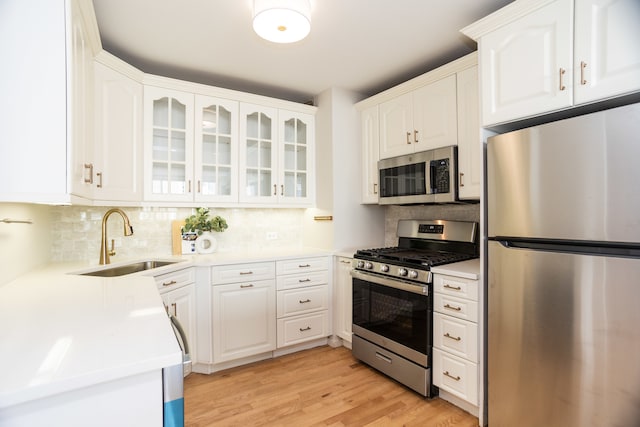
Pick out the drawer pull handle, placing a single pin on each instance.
(450, 307)
(304, 301)
(304, 265)
(244, 273)
(452, 337)
(304, 280)
(562, 86)
(383, 357)
(457, 378)
(308, 328)
(455, 288)
(173, 282)
(246, 286)
(583, 65)
(345, 262)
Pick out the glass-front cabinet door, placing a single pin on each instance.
(168, 144)
(216, 149)
(258, 154)
(295, 163)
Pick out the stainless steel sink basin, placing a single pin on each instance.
(121, 270)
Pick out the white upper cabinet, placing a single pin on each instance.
(527, 65)
(607, 56)
(469, 139)
(216, 149)
(538, 57)
(419, 120)
(46, 104)
(370, 154)
(276, 156)
(118, 134)
(168, 124)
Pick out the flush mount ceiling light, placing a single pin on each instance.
(282, 21)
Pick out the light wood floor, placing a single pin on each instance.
(323, 386)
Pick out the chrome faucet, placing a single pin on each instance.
(128, 231)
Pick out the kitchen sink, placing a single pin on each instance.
(121, 270)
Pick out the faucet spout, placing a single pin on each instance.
(105, 253)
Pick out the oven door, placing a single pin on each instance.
(393, 314)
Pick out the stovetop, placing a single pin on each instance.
(409, 257)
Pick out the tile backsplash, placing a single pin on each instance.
(76, 231)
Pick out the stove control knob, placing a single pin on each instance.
(402, 272)
(360, 264)
(384, 268)
(368, 266)
(413, 274)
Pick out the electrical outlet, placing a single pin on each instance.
(272, 235)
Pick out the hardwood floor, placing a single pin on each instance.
(323, 386)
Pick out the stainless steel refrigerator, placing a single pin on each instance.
(563, 217)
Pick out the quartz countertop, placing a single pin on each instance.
(64, 332)
(469, 269)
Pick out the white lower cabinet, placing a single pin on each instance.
(456, 348)
(244, 319)
(303, 300)
(177, 290)
(343, 316)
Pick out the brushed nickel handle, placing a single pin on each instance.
(172, 282)
(88, 166)
(189, 187)
(304, 265)
(408, 136)
(583, 65)
(452, 337)
(375, 188)
(461, 182)
(282, 189)
(246, 286)
(455, 288)
(415, 135)
(199, 187)
(457, 378)
(345, 262)
(450, 307)
(308, 328)
(244, 273)
(99, 175)
(275, 190)
(304, 301)
(562, 86)
(304, 280)
(175, 309)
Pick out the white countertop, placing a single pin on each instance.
(469, 269)
(63, 332)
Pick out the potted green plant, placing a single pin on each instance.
(202, 224)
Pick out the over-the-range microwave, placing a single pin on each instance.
(424, 177)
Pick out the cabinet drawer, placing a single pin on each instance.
(300, 265)
(456, 307)
(456, 286)
(456, 336)
(303, 280)
(303, 300)
(242, 272)
(175, 279)
(455, 375)
(298, 329)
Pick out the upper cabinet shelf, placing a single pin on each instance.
(538, 57)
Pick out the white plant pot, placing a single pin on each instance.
(206, 243)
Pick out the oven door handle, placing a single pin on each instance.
(392, 283)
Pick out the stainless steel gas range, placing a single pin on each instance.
(393, 302)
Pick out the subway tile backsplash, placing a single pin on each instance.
(76, 231)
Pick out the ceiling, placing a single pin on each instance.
(365, 46)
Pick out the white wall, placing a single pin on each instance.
(339, 171)
(23, 247)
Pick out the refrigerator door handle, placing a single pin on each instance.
(580, 247)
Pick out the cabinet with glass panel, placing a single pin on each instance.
(191, 147)
(275, 156)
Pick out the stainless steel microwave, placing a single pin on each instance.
(424, 177)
